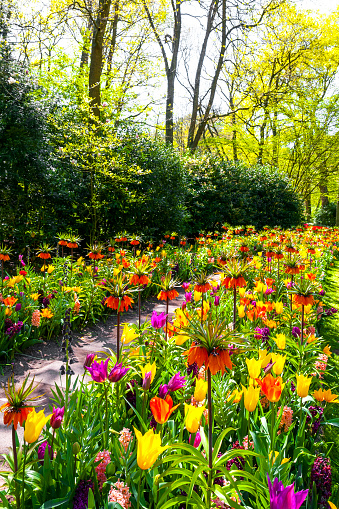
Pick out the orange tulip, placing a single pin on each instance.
(162, 408)
(271, 387)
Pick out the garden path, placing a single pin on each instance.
(43, 361)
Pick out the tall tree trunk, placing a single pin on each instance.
(112, 43)
(95, 69)
(324, 195)
(234, 122)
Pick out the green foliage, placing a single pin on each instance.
(223, 191)
(326, 215)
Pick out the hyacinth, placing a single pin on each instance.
(125, 438)
(80, 500)
(321, 475)
(120, 493)
(104, 457)
(14, 329)
(317, 415)
(237, 461)
(193, 368)
(286, 418)
(35, 321)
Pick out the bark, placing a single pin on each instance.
(89, 28)
(324, 195)
(112, 43)
(97, 54)
(170, 67)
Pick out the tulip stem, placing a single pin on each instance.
(210, 448)
(234, 306)
(139, 487)
(15, 456)
(106, 399)
(23, 475)
(51, 454)
(118, 337)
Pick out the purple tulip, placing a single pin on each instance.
(117, 373)
(41, 451)
(98, 370)
(281, 497)
(21, 260)
(177, 382)
(158, 321)
(188, 296)
(217, 300)
(89, 359)
(57, 416)
(146, 383)
(197, 439)
(296, 332)
(18, 306)
(186, 286)
(163, 390)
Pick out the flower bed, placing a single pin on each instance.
(222, 406)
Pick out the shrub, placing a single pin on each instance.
(223, 191)
(326, 215)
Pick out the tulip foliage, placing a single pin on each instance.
(223, 405)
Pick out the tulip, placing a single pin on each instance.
(89, 359)
(254, 367)
(327, 396)
(197, 296)
(162, 408)
(271, 387)
(163, 390)
(303, 385)
(280, 340)
(235, 396)
(251, 397)
(241, 311)
(146, 382)
(217, 300)
(200, 390)
(158, 321)
(98, 370)
(56, 417)
(34, 424)
(149, 368)
(149, 448)
(117, 373)
(285, 498)
(177, 382)
(193, 417)
(279, 363)
(279, 308)
(264, 357)
(197, 439)
(128, 334)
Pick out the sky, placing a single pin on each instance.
(323, 6)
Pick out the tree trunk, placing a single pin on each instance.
(324, 195)
(96, 55)
(112, 43)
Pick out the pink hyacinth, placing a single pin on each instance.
(120, 493)
(104, 457)
(286, 419)
(125, 438)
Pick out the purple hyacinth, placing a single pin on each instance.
(45, 302)
(317, 416)
(14, 329)
(284, 498)
(80, 499)
(117, 373)
(131, 394)
(238, 461)
(193, 368)
(98, 370)
(321, 475)
(153, 423)
(177, 382)
(158, 320)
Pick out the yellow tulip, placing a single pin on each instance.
(241, 311)
(327, 350)
(128, 334)
(193, 417)
(180, 339)
(242, 292)
(200, 390)
(332, 506)
(34, 424)
(264, 358)
(235, 396)
(197, 296)
(327, 396)
(50, 269)
(253, 367)
(148, 368)
(116, 271)
(149, 448)
(280, 341)
(279, 363)
(279, 308)
(303, 385)
(276, 454)
(251, 397)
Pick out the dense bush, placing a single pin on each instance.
(224, 191)
(326, 215)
